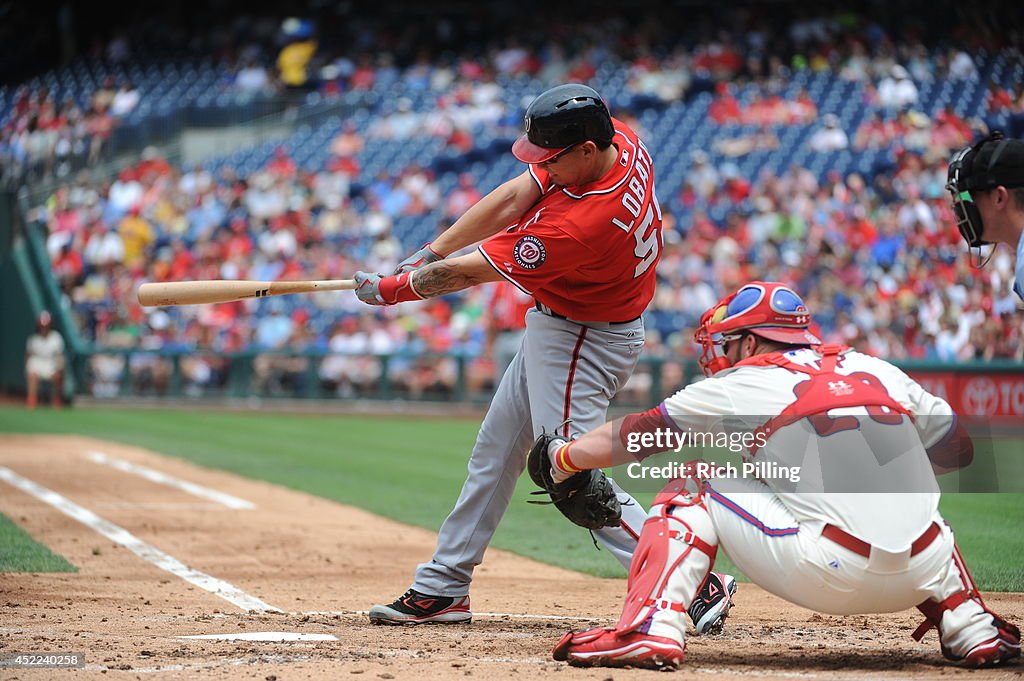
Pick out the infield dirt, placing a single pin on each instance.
(321, 563)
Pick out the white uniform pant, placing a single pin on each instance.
(792, 560)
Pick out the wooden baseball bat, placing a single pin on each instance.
(223, 291)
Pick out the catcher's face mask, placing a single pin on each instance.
(766, 309)
(968, 217)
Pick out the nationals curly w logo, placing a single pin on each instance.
(529, 252)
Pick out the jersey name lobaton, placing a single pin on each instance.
(588, 252)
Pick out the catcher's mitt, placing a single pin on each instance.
(587, 498)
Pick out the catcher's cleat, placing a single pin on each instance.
(414, 607)
(604, 648)
(1005, 646)
(711, 606)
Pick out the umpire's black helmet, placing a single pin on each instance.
(560, 118)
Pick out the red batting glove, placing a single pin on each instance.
(374, 289)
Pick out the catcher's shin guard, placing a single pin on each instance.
(672, 561)
(969, 633)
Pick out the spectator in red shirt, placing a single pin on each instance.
(68, 267)
(725, 108)
(281, 165)
(364, 75)
(462, 198)
(998, 98)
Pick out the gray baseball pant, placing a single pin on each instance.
(564, 369)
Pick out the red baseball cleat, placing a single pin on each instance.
(1003, 647)
(602, 647)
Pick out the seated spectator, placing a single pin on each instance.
(875, 133)
(948, 133)
(152, 164)
(830, 137)
(125, 100)
(897, 91)
(462, 197)
(281, 164)
(68, 267)
(104, 95)
(348, 143)
(998, 98)
(252, 78)
(103, 247)
(917, 131)
(704, 177)
(745, 144)
(136, 235)
(961, 66)
(100, 126)
(44, 362)
(724, 108)
(802, 109)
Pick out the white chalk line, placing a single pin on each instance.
(159, 506)
(147, 552)
(156, 476)
(270, 658)
(267, 636)
(508, 615)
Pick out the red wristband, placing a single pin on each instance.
(398, 289)
(562, 461)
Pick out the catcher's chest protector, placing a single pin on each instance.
(825, 389)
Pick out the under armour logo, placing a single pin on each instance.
(840, 388)
(802, 319)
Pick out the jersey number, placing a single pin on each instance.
(825, 424)
(646, 243)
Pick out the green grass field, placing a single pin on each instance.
(411, 469)
(20, 553)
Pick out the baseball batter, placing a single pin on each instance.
(580, 232)
(806, 540)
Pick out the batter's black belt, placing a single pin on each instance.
(551, 313)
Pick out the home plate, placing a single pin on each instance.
(263, 636)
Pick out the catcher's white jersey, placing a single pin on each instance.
(869, 475)
(845, 552)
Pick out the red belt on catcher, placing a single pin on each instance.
(862, 548)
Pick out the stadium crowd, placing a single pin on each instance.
(875, 255)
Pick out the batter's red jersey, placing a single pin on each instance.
(588, 252)
(507, 307)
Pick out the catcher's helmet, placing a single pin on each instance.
(764, 308)
(560, 118)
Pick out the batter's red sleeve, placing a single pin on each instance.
(532, 257)
(540, 176)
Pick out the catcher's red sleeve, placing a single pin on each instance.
(955, 450)
(636, 424)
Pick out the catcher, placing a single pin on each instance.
(851, 423)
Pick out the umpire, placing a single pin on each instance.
(986, 183)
